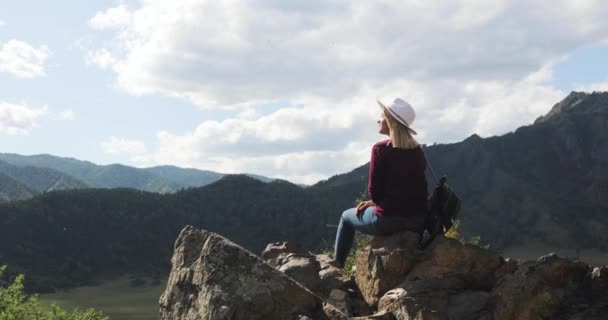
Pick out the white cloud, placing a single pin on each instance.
(19, 119)
(310, 142)
(467, 67)
(239, 54)
(116, 145)
(102, 58)
(111, 18)
(67, 114)
(22, 60)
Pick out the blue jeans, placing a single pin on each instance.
(367, 222)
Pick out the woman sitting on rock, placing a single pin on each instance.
(397, 184)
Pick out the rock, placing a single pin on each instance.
(390, 297)
(339, 299)
(333, 277)
(435, 299)
(213, 278)
(331, 312)
(303, 269)
(275, 252)
(382, 315)
(420, 315)
(317, 274)
(589, 302)
(384, 263)
(468, 305)
(448, 257)
(426, 295)
(296, 262)
(596, 283)
(389, 261)
(509, 267)
(427, 315)
(537, 288)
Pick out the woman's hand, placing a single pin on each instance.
(363, 205)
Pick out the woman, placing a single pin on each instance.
(397, 184)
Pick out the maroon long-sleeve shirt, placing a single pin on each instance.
(397, 183)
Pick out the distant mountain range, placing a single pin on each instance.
(547, 181)
(25, 176)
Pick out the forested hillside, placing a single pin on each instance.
(70, 237)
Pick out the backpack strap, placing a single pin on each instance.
(430, 167)
(423, 244)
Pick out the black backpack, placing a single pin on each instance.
(443, 208)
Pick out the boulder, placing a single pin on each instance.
(469, 305)
(333, 277)
(479, 267)
(339, 299)
(590, 301)
(389, 261)
(391, 297)
(302, 268)
(275, 253)
(296, 262)
(537, 289)
(213, 278)
(431, 296)
(385, 263)
(596, 282)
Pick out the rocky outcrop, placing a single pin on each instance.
(213, 278)
(451, 280)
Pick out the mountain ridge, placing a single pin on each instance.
(80, 174)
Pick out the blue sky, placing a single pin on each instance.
(283, 90)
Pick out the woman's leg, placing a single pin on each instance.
(390, 225)
(349, 222)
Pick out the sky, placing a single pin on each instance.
(285, 89)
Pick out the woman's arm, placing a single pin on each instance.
(377, 169)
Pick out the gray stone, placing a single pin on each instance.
(275, 252)
(468, 305)
(213, 278)
(537, 288)
(384, 264)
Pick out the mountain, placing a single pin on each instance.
(41, 179)
(184, 176)
(96, 176)
(82, 174)
(547, 181)
(594, 103)
(13, 189)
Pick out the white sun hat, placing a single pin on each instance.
(402, 112)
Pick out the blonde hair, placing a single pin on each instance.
(401, 138)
